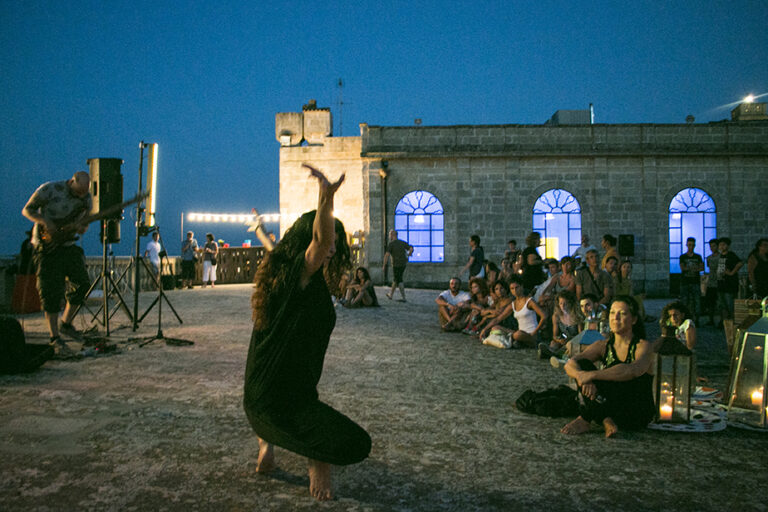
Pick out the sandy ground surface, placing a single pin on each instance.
(162, 427)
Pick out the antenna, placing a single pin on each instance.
(340, 85)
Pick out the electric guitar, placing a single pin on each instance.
(67, 232)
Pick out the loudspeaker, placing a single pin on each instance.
(113, 231)
(106, 184)
(626, 245)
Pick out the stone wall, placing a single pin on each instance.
(489, 177)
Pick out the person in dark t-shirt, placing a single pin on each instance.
(399, 251)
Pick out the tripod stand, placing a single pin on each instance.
(157, 279)
(109, 286)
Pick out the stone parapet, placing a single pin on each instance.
(590, 140)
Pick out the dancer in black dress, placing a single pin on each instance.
(293, 321)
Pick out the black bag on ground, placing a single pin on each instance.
(555, 402)
(16, 356)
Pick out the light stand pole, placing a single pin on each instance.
(139, 229)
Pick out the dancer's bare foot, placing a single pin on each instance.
(266, 462)
(577, 426)
(320, 480)
(611, 429)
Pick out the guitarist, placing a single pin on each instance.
(56, 208)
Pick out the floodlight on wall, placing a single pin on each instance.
(151, 184)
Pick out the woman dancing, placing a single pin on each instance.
(293, 320)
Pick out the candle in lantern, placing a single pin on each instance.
(757, 397)
(665, 412)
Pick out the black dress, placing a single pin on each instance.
(285, 362)
(628, 403)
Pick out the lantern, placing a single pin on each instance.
(747, 386)
(674, 378)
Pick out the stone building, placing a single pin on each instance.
(655, 184)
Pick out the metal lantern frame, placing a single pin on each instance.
(674, 382)
(747, 397)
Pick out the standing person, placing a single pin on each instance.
(757, 268)
(399, 251)
(710, 298)
(210, 260)
(728, 265)
(153, 253)
(691, 265)
(293, 321)
(609, 246)
(532, 264)
(476, 261)
(57, 209)
(580, 254)
(512, 252)
(189, 251)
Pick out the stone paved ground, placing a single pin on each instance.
(162, 427)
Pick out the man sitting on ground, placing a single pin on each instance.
(453, 304)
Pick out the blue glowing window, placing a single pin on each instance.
(692, 213)
(419, 221)
(557, 217)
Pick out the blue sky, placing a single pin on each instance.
(204, 80)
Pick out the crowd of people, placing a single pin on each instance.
(525, 301)
(530, 302)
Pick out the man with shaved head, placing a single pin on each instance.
(58, 208)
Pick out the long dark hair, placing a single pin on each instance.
(638, 328)
(366, 275)
(271, 279)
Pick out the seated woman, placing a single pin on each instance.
(620, 395)
(622, 285)
(480, 304)
(676, 321)
(360, 292)
(567, 322)
(491, 274)
(525, 310)
(501, 300)
(506, 272)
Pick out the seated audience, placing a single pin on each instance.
(525, 310)
(757, 269)
(491, 274)
(480, 304)
(594, 280)
(620, 395)
(676, 322)
(360, 291)
(506, 272)
(453, 304)
(545, 292)
(567, 322)
(595, 314)
(622, 285)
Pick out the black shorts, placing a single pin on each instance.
(398, 271)
(188, 270)
(54, 268)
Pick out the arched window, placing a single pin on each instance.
(419, 221)
(692, 213)
(557, 217)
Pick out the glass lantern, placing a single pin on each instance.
(674, 379)
(748, 383)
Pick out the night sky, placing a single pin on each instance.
(205, 79)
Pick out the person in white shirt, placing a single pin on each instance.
(153, 252)
(453, 304)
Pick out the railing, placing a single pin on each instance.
(235, 265)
